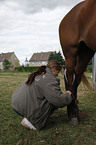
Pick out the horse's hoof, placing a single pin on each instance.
(74, 121)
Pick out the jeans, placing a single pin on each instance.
(17, 112)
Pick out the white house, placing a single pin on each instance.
(39, 59)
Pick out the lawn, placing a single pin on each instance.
(57, 130)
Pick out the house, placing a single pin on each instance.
(39, 59)
(11, 57)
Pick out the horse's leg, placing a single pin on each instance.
(72, 108)
(70, 54)
(70, 61)
(70, 67)
(83, 58)
(85, 54)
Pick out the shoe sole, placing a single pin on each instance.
(25, 125)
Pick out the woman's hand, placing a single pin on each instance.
(68, 92)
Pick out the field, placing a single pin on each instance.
(57, 130)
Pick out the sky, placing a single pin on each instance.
(31, 26)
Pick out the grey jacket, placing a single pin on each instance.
(37, 101)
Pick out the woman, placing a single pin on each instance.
(40, 95)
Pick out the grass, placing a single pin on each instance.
(57, 130)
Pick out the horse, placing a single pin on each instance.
(78, 41)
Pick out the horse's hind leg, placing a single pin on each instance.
(85, 54)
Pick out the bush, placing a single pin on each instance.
(89, 68)
(6, 65)
(26, 69)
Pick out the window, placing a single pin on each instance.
(43, 62)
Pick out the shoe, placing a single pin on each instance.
(27, 124)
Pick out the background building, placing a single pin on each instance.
(11, 57)
(39, 59)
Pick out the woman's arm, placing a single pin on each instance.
(55, 96)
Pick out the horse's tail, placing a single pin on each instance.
(86, 82)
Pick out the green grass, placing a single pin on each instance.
(57, 130)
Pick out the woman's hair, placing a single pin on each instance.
(42, 70)
(54, 63)
(32, 76)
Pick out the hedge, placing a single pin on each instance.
(34, 68)
(26, 69)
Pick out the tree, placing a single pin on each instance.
(56, 56)
(51, 56)
(6, 64)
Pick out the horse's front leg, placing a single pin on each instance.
(70, 79)
(70, 75)
(70, 65)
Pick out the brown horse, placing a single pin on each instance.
(78, 39)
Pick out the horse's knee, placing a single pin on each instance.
(69, 71)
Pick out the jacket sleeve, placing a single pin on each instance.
(55, 96)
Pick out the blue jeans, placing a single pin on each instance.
(17, 112)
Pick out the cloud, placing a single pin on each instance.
(31, 26)
(33, 6)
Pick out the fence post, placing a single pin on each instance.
(94, 71)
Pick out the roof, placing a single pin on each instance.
(40, 56)
(6, 56)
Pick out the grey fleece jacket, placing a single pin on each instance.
(37, 101)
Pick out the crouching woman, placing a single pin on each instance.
(39, 96)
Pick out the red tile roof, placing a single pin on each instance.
(40, 56)
(6, 56)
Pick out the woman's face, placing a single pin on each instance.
(55, 71)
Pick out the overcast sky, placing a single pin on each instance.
(31, 26)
